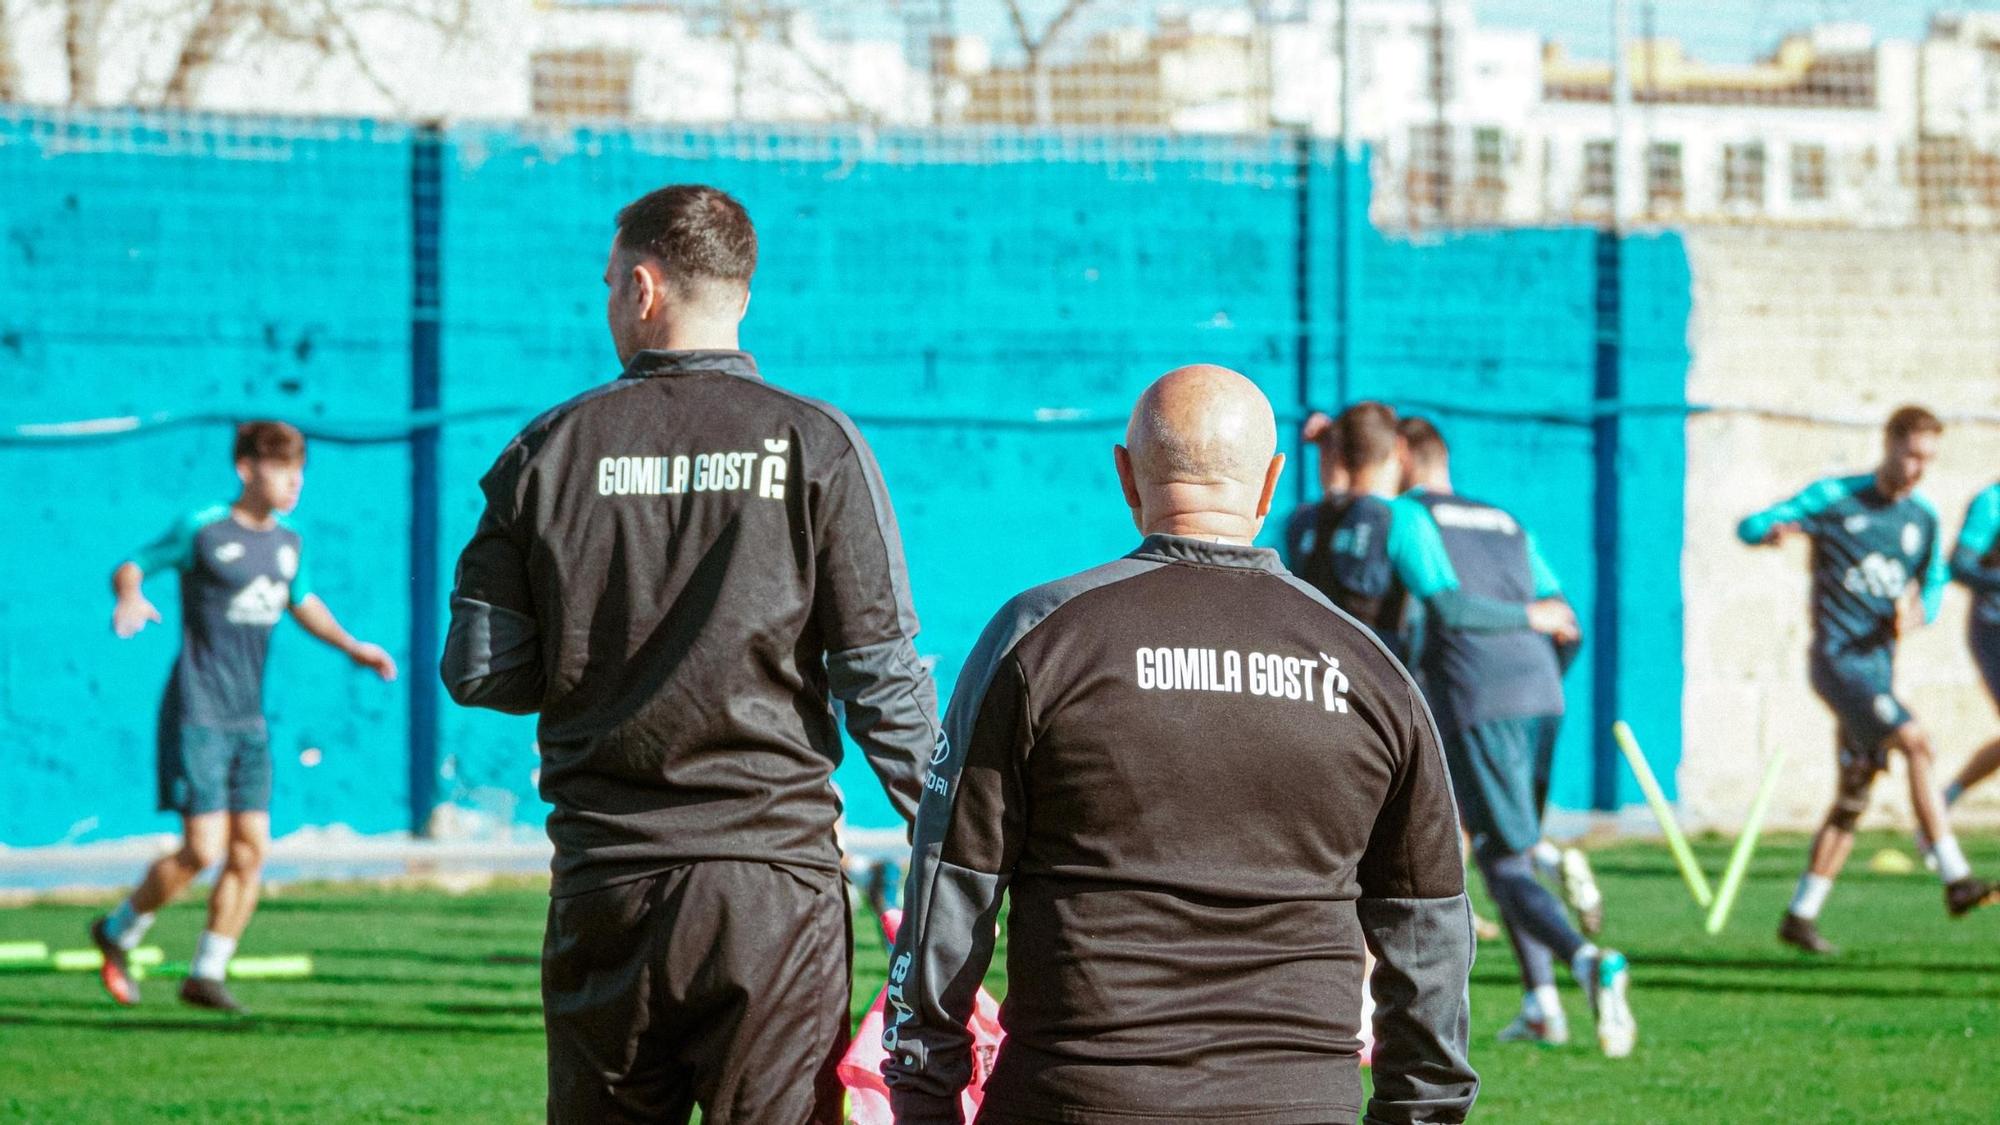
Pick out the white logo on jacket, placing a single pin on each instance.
(763, 472)
(1261, 675)
(262, 602)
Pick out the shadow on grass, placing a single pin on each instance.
(243, 1025)
(1818, 987)
(504, 959)
(1805, 964)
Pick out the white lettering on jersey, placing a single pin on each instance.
(1877, 576)
(678, 474)
(1912, 538)
(288, 562)
(1264, 675)
(1474, 519)
(229, 552)
(262, 602)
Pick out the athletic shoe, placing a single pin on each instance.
(1580, 893)
(1963, 896)
(115, 972)
(1525, 1029)
(204, 993)
(1803, 935)
(1617, 1031)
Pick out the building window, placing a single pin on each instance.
(1664, 189)
(589, 83)
(1743, 173)
(1599, 170)
(1429, 179)
(1809, 173)
(1489, 160)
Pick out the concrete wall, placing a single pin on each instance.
(1844, 326)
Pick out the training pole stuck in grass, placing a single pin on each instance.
(1746, 845)
(1691, 873)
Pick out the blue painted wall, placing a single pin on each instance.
(986, 306)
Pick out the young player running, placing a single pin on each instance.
(241, 568)
(1497, 693)
(1878, 572)
(1976, 563)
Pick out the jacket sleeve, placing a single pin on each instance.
(1970, 560)
(1418, 924)
(492, 654)
(968, 840)
(869, 624)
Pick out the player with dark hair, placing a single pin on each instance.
(1302, 526)
(680, 570)
(1344, 548)
(241, 566)
(1878, 572)
(1976, 563)
(1203, 792)
(1498, 696)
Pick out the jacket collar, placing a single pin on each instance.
(1207, 552)
(650, 363)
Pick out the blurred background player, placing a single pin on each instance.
(1878, 572)
(1497, 694)
(1976, 562)
(1302, 526)
(1342, 542)
(1185, 926)
(1427, 467)
(680, 571)
(241, 566)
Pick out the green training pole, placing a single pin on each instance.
(1697, 882)
(23, 952)
(1739, 860)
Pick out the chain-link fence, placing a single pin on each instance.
(1879, 113)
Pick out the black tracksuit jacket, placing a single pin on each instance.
(679, 571)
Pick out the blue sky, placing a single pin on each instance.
(1720, 30)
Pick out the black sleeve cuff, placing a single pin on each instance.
(913, 1108)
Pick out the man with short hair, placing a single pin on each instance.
(1499, 700)
(1878, 572)
(677, 570)
(1204, 791)
(242, 566)
(1302, 526)
(1346, 553)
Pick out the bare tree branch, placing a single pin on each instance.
(82, 20)
(10, 75)
(199, 50)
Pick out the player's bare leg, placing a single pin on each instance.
(230, 906)
(1984, 761)
(203, 838)
(1963, 892)
(1831, 846)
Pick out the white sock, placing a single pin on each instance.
(1544, 1004)
(1811, 895)
(211, 956)
(1548, 859)
(1584, 964)
(1951, 861)
(1952, 793)
(127, 926)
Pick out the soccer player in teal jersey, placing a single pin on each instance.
(1878, 572)
(1976, 563)
(1495, 620)
(241, 567)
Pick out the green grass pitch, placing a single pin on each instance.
(425, 1007)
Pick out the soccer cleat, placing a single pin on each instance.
(202, 992)
(1580, 893)
(1963, 896)
(1803, 934)
(1526, 1029)
(1617, 1031)
(115, 972)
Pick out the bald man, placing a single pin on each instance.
(1204, 791)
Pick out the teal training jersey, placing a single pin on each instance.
(236, 582)
(1867, 549)
(1976, 562)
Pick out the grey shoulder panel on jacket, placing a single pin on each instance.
(1028, 609)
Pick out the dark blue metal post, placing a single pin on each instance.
(1302, 310)
(1605, 425)
(426, 230)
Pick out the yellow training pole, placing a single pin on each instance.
(1649, 785)
(1739, 860)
